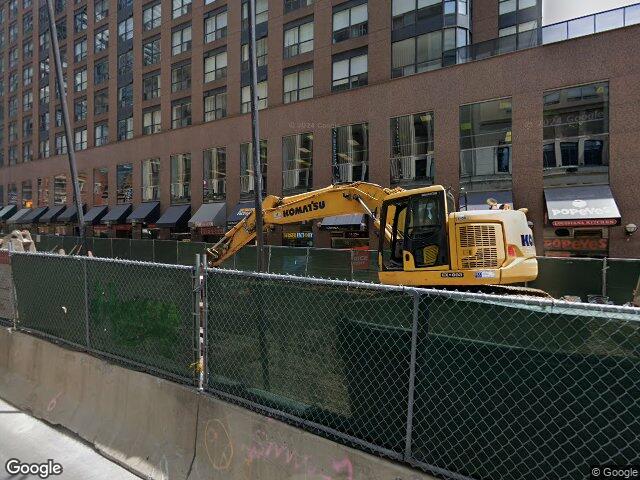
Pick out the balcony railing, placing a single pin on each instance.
(557, 32)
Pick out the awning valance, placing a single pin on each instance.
(175, 216)
(7, 212)
(18, 215)
(52, 214)
(581, 206)
(343, 221)
(147, 212)
(96, 214)
(117, 214)
(70, 215)
(34, 215)
(210, 215)
(241, 210)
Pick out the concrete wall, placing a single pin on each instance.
(7, 306)
(160, 429)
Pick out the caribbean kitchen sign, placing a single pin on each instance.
(583, 206)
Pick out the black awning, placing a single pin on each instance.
(70, 215)
(18, 215)
(147, 212)
(117, 214)
(581, 206)
(52, 214)
(34, 215)
(7, 212)
(337, 221)
(94, 215)
(478, 200)
(241, 210)
(210, 215)
(175, 216)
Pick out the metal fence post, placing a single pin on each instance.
(412, 376)
(605, 267)
(204, 319)
(197, 310)
(86, 302)
(306, 263)
(351, 255)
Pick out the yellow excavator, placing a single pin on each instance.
(424, 241)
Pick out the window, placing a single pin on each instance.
(102, 134)
(181, 77)
(576, 133)
(27, 76)
(214, 174)
(150, 179)
(181, 113)
(125, 62)
(125, 4)
(151, 121)
(181, 40)
(417, 54)
(124, 182)
(80, 50)
(298, 85)
(181, 7)
(151, 52)
(485, 145)
(44, 121)
(125, 129)
(27, 50)
(151, 86)
(350, 72)
(181, 178)
(27, 194)
(27, 23)
(412, 146)
(27, 152)
(100, 186)
(291, 5)
(350, 22)
(80, 80)
(27, 101)
(125, 96)
(101, 71)
(215, 26)
(215, 65)
(215, 104)
(262, 13)
(44, 68)
(101, 102)
(80, 139)
(101, 40)
(298, 39)
(262, 97)
(43, 148)
(43, 186)
(151, 17)
(44, 94)
(261, 54)
(80, 109)
(80, 20)
(297, 163)
(247, 182)
(101, 10)
(60, 189)
(27, 126)
(409, 12)
(125, 29)
(351, 153)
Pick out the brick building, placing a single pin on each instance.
(475, 95)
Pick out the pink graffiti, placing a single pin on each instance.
(344, 465)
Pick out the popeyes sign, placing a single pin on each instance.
(576, 244)
(582, 215)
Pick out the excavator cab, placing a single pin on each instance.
(416, 230)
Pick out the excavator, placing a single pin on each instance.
(424, 241)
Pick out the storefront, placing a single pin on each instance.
(5, 214)
(12, 222)
(578, 221)
(68, 221)
(115, 220)
(45, 224)
(347, 231)
(144, 217)
(298, 235)
(485, 200)
(173, 223)
(30, 220)
(208, 223)
(92, 221)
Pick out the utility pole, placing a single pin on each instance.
(255, 133)
(55, 47)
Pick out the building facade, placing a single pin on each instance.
(477, 96)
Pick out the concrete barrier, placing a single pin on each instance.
(7, 304)
(163, 430)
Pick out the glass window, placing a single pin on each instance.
(181, 113)
(181, 178)
(27, 194)
(101, 71)
(576, 133)
(181, 40)
(125, 129)
(101, 40)
(151, 17)
(151, 52)
(151, 121)
(263, 100)
(298, 39)
(101, 102)
(485, 145)
(290, 5)
(350, 72)
(215, 26)
(44, 191)
(215, 174)
(247, 181)
(350, 22)
(417, 54)
(262, 13)
(101, 9)
(298, 85)
(101, 134)
(151, 86)
(80, 19)
(125, 29)
(350, 159)
(80, 139)
(181, 77)
(262, 48)
(297, 163)
(215, 66)
(215, 104)
(150, 179)
(412, 146)
(80, 109)
(100, 186)
(60, 190)
(181, 7)
(124, 182)
(125, 96)
(80, 80)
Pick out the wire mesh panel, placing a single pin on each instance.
(187, 252)
(332, 355)
(165, 251)
(287, 260)
(560, 277)
(622, 279)
(142, 312)
(102, 247)
(121, 248)
(365, 266)
(50, 293)
(327, 263)
(142, 250)
(509, 390)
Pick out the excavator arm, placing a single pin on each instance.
(343, 199)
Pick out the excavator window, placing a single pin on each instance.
(393, 247)
(426, 234)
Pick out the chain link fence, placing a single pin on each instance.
(460, 385)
